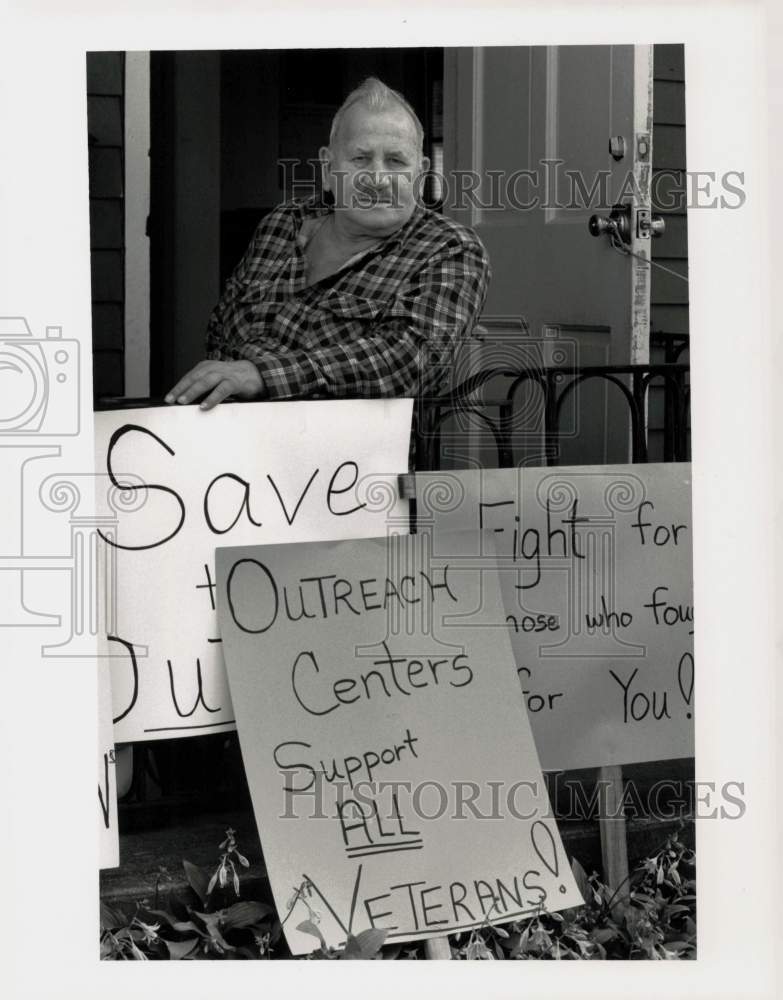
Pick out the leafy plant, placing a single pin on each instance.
(365, 945)
(226, 865)
(653, 916)
(214, 927)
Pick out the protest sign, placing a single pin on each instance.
(182, 480)
(595, 565)
(108, 837)
(389, 757)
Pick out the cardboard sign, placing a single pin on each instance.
(389, 757)
(595, 564)
(182, 481)
(108, 836)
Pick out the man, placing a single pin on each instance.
(368, 296)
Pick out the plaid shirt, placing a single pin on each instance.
(386, 324)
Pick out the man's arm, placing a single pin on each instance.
(216, 381)
(402, 354)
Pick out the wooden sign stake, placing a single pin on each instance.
(613, 832)
(437, 949)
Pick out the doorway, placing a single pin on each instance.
(233, 135)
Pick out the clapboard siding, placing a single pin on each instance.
(669, 190)
(669, 104)
(668, 146)
(106, 224)
(669, 63)
(669, 185)
(106, 119)
(673, 244)
(108, 334)
(105, 172)
(105, 95)
(105, 73)
(668, 292)
(670, 286)
(670, 319)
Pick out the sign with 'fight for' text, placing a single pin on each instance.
(595, 568)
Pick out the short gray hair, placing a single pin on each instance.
(377, 97)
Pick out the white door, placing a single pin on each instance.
(552, 136)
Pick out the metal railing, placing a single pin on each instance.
(496, 413)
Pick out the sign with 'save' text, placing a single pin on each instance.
(388, 753)
(108, 837)
(174, 482)
(595, 567)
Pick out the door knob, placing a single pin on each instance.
(617, 224)
(649, 224)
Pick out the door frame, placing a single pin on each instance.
(463, 138)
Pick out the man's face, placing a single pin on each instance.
(372, 170)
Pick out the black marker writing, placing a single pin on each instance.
(103, 796)
(663, 533)
(115, 438)
(134, 668)
(199, 693)
(529, 544)
(323, 596)
(291, 518)
(244, 506)
(636, 708)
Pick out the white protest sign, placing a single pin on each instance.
(108, 837)
(180, 481)
(595, 564)
(389, 757)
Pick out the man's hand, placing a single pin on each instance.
(215, 380)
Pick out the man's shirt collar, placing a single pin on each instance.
(315, 208)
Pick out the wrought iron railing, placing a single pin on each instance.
(495, 412)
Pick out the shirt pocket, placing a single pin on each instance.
(348, 306)
(343, 317)
(260, 292)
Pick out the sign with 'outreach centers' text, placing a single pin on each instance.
(388, 753)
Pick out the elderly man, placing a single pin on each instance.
(367, 296)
